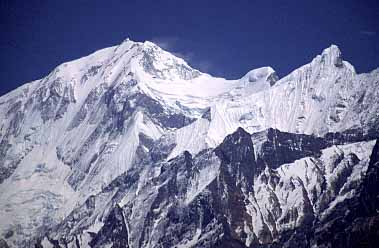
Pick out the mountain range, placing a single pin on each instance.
(132, 147)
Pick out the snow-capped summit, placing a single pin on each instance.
(332, 56)
(330, 60)
(263, 75)
(97, 144)
(163, 65)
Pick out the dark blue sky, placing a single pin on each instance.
(224, 38)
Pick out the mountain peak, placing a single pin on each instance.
(332, 56)
(150, 44)
(165, 65)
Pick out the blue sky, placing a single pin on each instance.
(224, 38)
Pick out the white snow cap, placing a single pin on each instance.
(263, 73)
(332, 56)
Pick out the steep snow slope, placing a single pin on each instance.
(72, 133)
(324, 96)
(188, 90)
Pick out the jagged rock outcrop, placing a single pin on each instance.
(223, 198)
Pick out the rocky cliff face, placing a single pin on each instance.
(130, 144)
(225, 197)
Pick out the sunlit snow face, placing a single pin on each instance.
(164, 65)
(71, 134)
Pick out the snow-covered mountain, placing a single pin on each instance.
(131, 147)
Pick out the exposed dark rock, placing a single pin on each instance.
(113, 232)
(355, 222)
(281, 147)
(3, 243)
(207, 115)
(219, 211)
